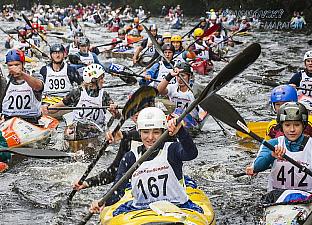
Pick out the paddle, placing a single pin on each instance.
(232, 35)
(33, 46)
(114, 68)
(310, 42)
(38, 153)
(107, 44)
(235, 67)
(191, 30)
(137, 102)
(232, 118)
(30, 24)
(79, 108)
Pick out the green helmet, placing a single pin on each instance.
(186, 67)
(292, 111)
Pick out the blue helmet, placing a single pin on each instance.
(283, 93)
(15, 55)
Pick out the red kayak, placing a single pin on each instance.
(202, 67)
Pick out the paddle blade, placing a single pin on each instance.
(211, 30)
(37, 153)
(310, 42)
(114, 68)
(222, 110)
(143, 97)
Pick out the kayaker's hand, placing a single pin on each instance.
(250, 171)
(78, 187)
(134, 59)
(279, 152)
(113, 110)
(44, 109)
(147, 77)
(113, 139)
(15, 71)
(172, 127)
(2, 119)
(94, 207)
(175, 72)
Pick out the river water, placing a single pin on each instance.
(33, 191)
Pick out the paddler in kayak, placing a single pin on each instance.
(303, 78)
(164, 165)
(58, 75)
(123, 46)
(90, 94)
(179, 93)
(293, 118)
(160, 70)
(23, 93)
(280, 95)
(73, 48)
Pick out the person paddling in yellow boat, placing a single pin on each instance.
(163, 167)
(23, 93)
(285, 178)
(280, 95)
(90, 94)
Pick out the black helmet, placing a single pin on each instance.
(185, 66)
(292, 111)
(78, 34)
(57, 48)
(83, 41)
(167, 46)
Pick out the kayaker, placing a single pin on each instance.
(179, 93)
(147, 46)
(166, 38)
(21, 44)
(90, 94)
(73, 48)
(160, 70)
(244, 25)
(303, 78)
(74, 26)
(165, 164)
(123, 46)
(23, 91)
(203, 23)
(293, 118)
(58, 75)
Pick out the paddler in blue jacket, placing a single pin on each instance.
(165, 164)
(293, 118)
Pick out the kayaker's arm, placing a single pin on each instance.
(162, 86)
(35, 83)
(295, 79)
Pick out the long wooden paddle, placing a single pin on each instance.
(225, 112)
(30, 24)
(38, 153)
(108, 44)
(235, 67)
(79, 108)
(137, 102)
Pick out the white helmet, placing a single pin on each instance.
(213, 17)
(307, 55)
(150, 118)
(93, 71)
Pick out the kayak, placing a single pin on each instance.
(202, 67)
(291, 207)
(18, 132)
(51, 100)
(149, 217)
(258, 128)
(131, 39)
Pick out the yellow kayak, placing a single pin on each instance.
(258, 128)
(148, 216)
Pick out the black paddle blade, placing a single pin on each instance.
(224, 111)
(143, 97)
(128, 74)
(310, 42)
(74, 59)
(37, 153)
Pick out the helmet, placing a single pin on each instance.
(57, 48)
(83, 41)
(244, 18)
(91, 72)
(136, 20)
(167, 46)
(166, 35)
(15, 55)
(153, 27)
(150, 118)
(22, 32)
(185, 66)
(307, 55)
(121, 31)
(201, 19)
(292, 111)
(213, 17)
(198, 32)
(176, 38)
(284, 93)
(78, 34)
